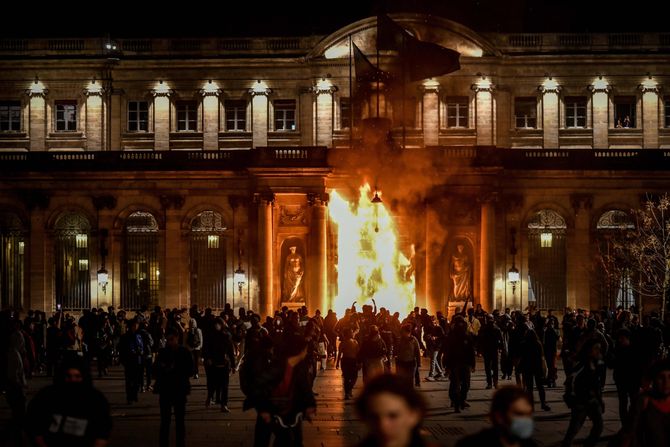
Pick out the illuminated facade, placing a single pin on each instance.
(182, 170)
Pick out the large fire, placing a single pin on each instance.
(370, 264)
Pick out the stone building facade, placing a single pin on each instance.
(172, 164)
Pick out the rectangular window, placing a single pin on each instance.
(575, 112)
(457, 111)
(284, 114)
(10, 116)
(525, 113)
(66, 116)
(624, 112)
(236, 115)
(138, 116)
(187, 116)
(346, 111)
(667, 111)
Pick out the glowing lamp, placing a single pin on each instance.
(260, 87)
(94, 88)
(240, 278)
(546, 240)
(161, 88)
(600, 84)
(513, 277)
(210, 88)
(36, 88)
(550, 84)
(377, 198)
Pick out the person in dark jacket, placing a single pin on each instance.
(372, 354)
(283, 396)
(71, 412)
(173, 370)
(490, 343)
(531, 366)
(219, 356)
(550, 339)
(583, 394)
(131, 354)
(627, 376)
(512, 418)
(393, 412)
(408, 354)
(459, 361)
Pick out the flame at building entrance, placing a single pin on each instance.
(370, 264)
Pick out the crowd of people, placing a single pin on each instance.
(279, 357)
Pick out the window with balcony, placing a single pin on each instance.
(624, 112)
(457, 111)
(10, 116)
(66, 116)
(187, 116)
(575, 112)
(525, 113)
(138, 116)
(285, 114)
(236, 115)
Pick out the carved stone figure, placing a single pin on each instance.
(293, 290)
(460, 271)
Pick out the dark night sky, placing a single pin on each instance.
(142, 18)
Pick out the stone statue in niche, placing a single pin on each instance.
(460, 271)
(294, 272)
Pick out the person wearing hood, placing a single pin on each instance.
(194, 343)
(512, 418)
(70, 412)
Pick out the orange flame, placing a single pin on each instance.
(369, 262)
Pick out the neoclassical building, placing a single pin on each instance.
(181, 171)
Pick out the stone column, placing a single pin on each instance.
(116, 120)
(600, 112)
(484, 113)
(94, 118)
(210, 117)
(259, 114)
(578, 253)
(431, 113)
(266, 249)
(37, 128)
(318, 299)
(650, 104)
(38, 259)
(161, 118)
(486, 252)
(550, 114)
(171, 272)
(323, 125)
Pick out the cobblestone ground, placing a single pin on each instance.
(336, 423)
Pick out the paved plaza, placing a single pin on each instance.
(335, 424)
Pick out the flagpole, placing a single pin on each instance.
(404, 81)
(377, 76)
(351, 95)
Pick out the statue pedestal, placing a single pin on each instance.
(451, 308)
(292, 306)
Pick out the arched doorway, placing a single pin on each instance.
(207, 262)
(72, 259)
(12, 261)
(547, 264)
(141, 267)
(613, 278)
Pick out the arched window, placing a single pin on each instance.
(141, 266)
(13, 249)
(547, 262)
(72, 258)
(613, 282)
(208, 261)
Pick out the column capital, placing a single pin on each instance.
(265, 198)
(260, 89)
(37, 90)
(317, 198)
(581, 201)
(600, 87)
(483, 85)
(649, 87)
(320, 89)
(431, 86)
(161, 89)
(554, 88)
(210, 92)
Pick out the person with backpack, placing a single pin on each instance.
(194, 343)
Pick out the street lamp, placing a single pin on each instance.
(239, 276)
(513, 276)
(103, 275)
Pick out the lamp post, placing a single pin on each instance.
(239, 276)
(513, 276)
(103, 275)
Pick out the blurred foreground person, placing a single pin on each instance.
(71, 412)
(649, 420)
(393, 411)
(512, 418)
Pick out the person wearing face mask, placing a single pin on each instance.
(512, 418)
(393, 411)
(70, 412)
(649, 421)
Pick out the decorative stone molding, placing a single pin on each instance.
(646, 87)
(549, 89)
(290, 215)
(317, 198)
(266, 198)
(104, 202)
(581, 201)
(260, 89)
(318, 90)
(483, 86)
(174, 201)
(600, 88)
(162, 91)
(236, 201)
(33, 198)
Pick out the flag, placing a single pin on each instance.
(419, 60)
(365, 70)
